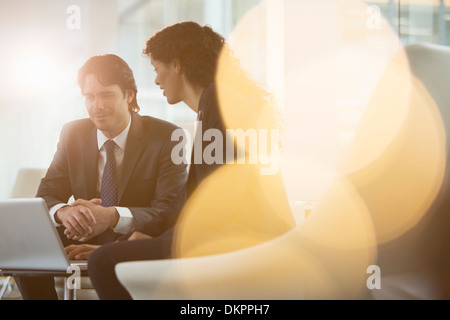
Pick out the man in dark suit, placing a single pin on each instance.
(141, 178)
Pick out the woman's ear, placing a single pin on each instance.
(176, 64)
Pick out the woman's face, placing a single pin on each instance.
(168, 78)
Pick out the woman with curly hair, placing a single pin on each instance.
(228, 204)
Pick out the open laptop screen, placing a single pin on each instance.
(28, 239)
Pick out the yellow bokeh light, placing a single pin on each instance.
(345, 74)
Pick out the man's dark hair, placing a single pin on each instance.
(109, 70)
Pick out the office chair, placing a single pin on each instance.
(415, 265)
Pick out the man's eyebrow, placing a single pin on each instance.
(101, 92)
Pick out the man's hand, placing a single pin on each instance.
(104, 217)
(79, 221)
(80, 252)
(138, 236)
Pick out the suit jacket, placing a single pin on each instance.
(149, 180)
(209, 115)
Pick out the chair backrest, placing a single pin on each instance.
(423, 250)
(27, 182)
(430, 63)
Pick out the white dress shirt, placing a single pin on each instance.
(126, 219)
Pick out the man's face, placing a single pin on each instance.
(107, 106)
(169, 80)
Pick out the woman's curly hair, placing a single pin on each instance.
(198, 49)
(207, 58)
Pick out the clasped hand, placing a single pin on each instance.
(85, 219)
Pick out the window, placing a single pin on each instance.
(138, 21)
(418, 20)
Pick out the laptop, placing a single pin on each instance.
(29, 241)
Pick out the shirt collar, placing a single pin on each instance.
(120, 139)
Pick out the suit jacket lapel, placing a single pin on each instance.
(132, 154)
(91, 163)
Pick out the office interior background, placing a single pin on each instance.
(45, 42)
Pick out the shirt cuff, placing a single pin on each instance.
(53, 210)
(126, 220)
